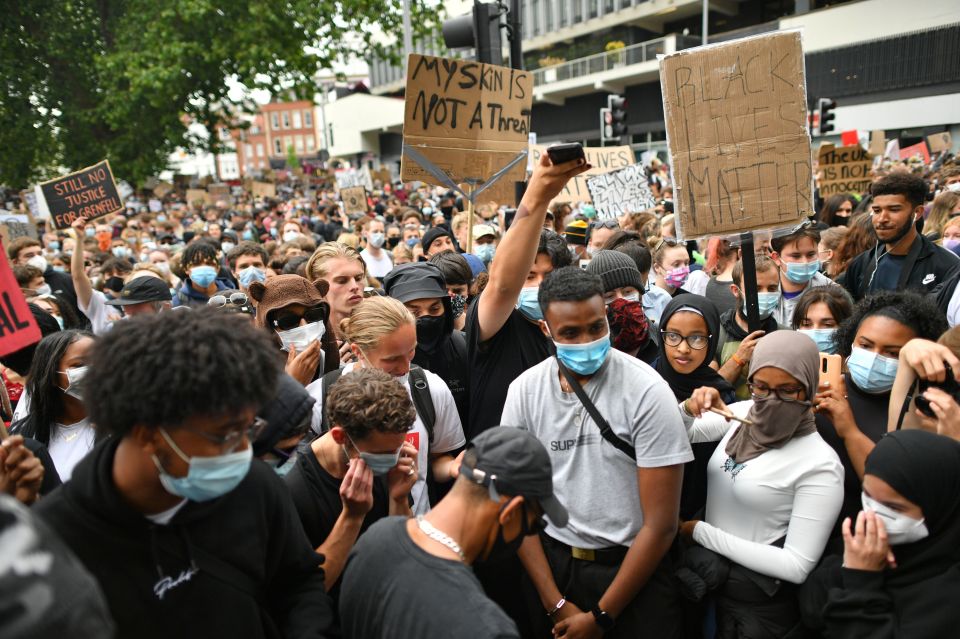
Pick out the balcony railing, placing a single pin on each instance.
(598, 62)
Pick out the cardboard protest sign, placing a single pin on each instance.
(195, 196)
(219, 192)
(877, 141)
(940, 142)
(154, 205)
(619, 192)
(14, 226)
(892, 152)
(162, 189)
(18, 329)
(354, 200)
(919, 150)
(737, 131)
(34, 204)
(90, 193)
(264, 189)
(348, 178)
(844, 170)
(464, 121)
(601, 160)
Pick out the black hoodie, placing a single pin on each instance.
(236, 566)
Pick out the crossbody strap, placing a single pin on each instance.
(598, 419)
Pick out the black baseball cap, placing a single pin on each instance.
(517, 464)
(142, 289)
(415, 281)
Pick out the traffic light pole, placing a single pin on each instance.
(516, 36)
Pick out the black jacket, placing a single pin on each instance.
(236, 566)
(926, 266)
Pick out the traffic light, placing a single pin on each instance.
(617, 105)
(825, 107)
(479, 29)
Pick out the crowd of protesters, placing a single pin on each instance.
(263, 417)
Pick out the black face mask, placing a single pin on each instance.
(393, 241)
(446, 210)
(114, 284)
(429, 331)
(503, 549)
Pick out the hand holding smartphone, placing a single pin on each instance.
(562, 153)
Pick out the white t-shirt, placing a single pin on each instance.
(23, 405)
(163, 518)
(377, 266)
(69, 444)
(697, 282)
(795, 490)
(596, 482)
(101, 315)
(654, 301)
(447, 431)
(953, 308)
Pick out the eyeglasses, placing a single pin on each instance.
(669, 241)
(230, 441)
(285, 320)
(784, 393)
(696, 342)
(604, 224)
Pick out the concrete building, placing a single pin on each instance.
(889, 64)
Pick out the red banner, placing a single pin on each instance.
(17, 326)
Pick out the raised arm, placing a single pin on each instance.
(518, 249)
(81, 283)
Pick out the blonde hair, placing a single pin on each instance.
(404, 250)
(373, 319)
(350, 239)
(317, 264)
(460, 219)
(940, 212)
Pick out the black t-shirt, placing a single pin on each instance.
(452, 368)
(870, 412)
(887, 275)
(718, 292)
(494, 365)
(316, 494)
(393, 588)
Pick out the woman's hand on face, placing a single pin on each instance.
(866, 546)
(702, 400)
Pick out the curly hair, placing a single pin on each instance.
(197, 252)
(160, 370)
(858, 239)
(915, 311)
(568, 284)
(369, 399)
(912, 187)
(554, 247)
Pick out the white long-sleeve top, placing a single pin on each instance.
(796, 490)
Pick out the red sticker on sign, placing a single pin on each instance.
(413, 438)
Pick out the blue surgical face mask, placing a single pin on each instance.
(248, 235)
(121, 252)
(250, 275)
(801, 272)
(485, 252)
(527, 303)
(89, 231)
(53, 245)
(379, 463)
(161, 218)
(207, 477)
(203, 275)
(767, 303)
(823, 338)
(584, 359)
(871, 372)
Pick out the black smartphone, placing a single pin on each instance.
(562, 153)
(948, 385)
(508, 216)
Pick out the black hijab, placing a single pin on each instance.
(925, 469)
(684, 385)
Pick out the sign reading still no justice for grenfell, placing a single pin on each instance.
(736, 120)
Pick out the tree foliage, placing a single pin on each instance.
(88, 79)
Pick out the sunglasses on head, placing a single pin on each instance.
(605, 224)
(669, 241)
(286, 319)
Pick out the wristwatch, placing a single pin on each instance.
(603, 620)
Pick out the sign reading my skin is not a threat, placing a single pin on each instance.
(467, 119)
(736, 126)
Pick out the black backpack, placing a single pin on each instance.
(419, 389)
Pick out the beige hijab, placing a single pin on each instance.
(775, 421)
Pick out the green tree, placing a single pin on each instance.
(292, 161)
(81, 80)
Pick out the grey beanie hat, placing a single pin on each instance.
(615, 269)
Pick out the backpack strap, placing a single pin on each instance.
(459, 345)
(422, 401)
(326, 382)
(623, 446)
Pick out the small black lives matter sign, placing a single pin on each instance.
(89, 193)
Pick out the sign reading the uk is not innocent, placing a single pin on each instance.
(464, 121)
(89, 193)
(736, 119)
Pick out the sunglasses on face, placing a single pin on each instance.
(285, 320)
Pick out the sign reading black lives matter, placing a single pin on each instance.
(619, 192)
(737, 130)
(89, 193)
(465, 121)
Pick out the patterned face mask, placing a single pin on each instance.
(457, 304)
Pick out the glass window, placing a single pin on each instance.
(286, 120)
(259, 149)
(593, 8)
(277, 146)
(296, 120)
(535, 16)
(248, 149)
(563, 13)
(307, 119)
(299, 143)
(548, 25)
(276, 121)
(287, 143)
(577, 11)
(309, 143)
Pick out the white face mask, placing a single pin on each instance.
(301, 336)
(43, 289)
(289, 236)
(900, 528)
(38, 261)
(74, 379)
